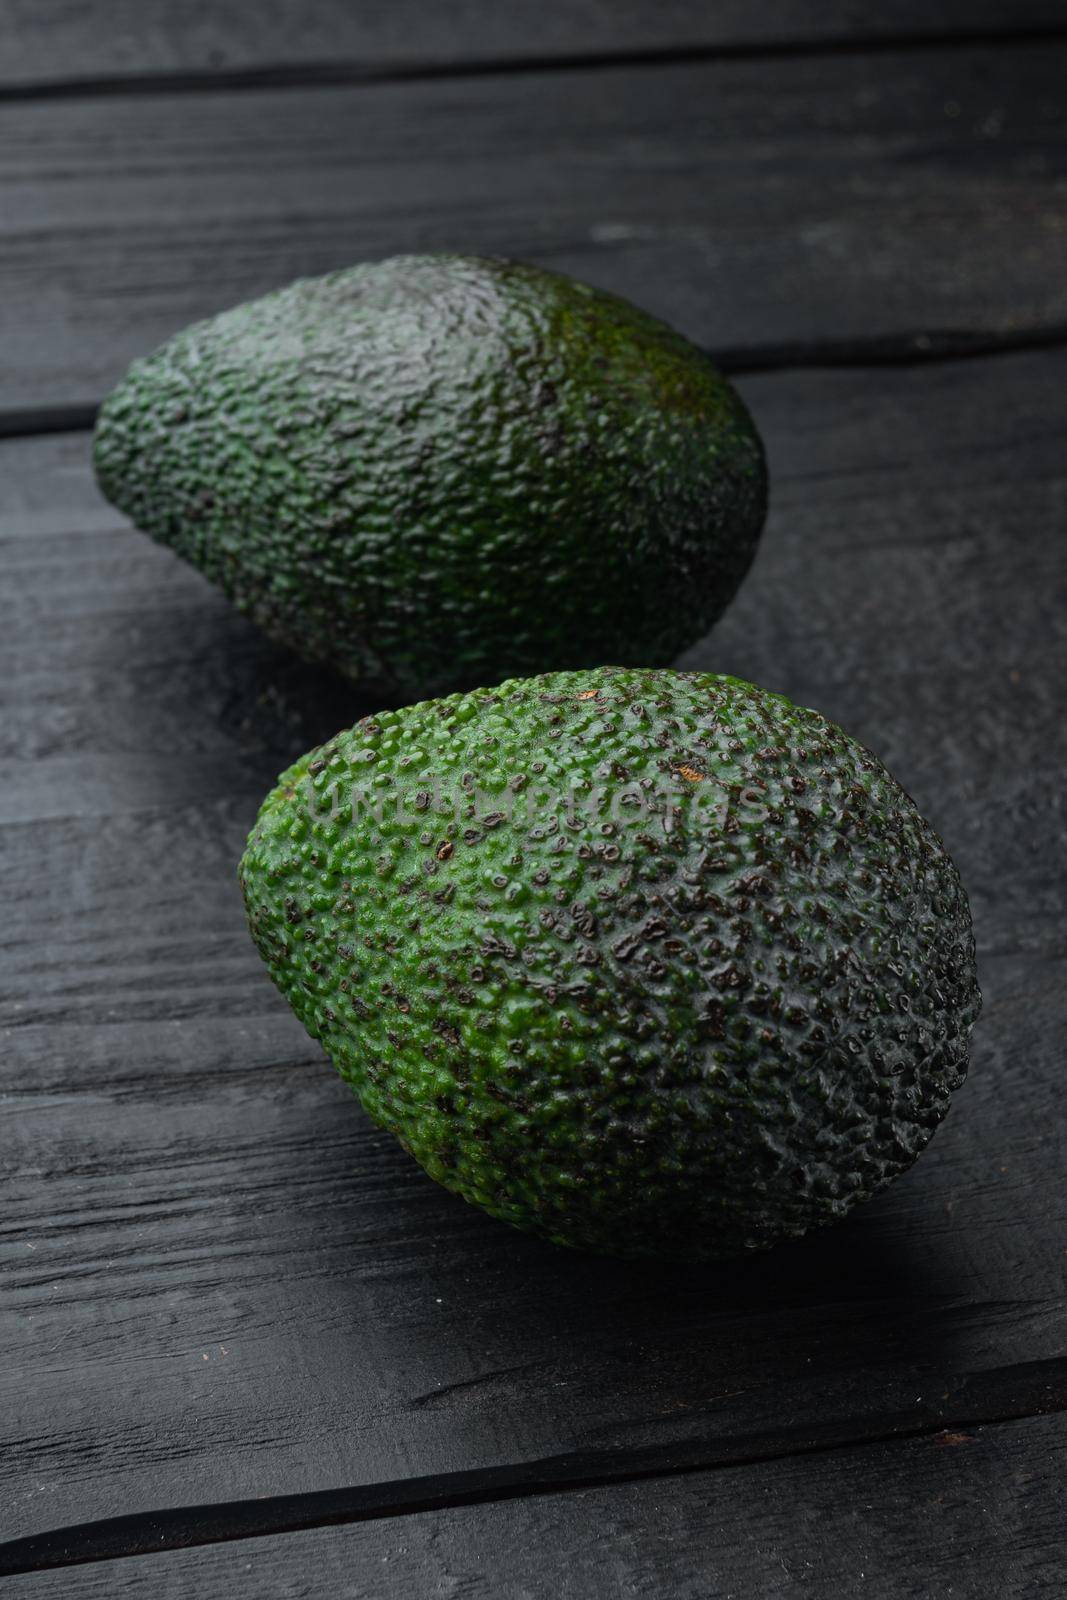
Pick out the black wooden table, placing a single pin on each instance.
(246, 1346)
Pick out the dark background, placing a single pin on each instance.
(221, 1283)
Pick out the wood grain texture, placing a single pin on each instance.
(66, 43)
(222, 1283)
(1006, 1394)
(965, 1514)
(757, 204)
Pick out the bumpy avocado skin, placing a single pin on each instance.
(436, 471)
(648, 963)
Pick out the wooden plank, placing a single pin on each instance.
(66, 45)
(964, 1513)
(222, 1282)
(709, 192)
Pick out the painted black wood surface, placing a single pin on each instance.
(960, 1513)
(223, 1290)
(831, 206)
(142, 44)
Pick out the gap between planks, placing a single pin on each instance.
(984, 1399)
(907, 350)
(332, 74)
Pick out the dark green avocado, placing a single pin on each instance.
(645, 962)
(437, 471)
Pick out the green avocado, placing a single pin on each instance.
(645, 962)
(433, 472)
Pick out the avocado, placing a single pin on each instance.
(434, 472)
(645, 962)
